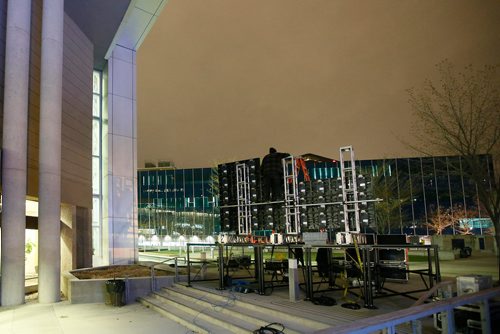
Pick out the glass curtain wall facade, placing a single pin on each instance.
(415, 189)
(96, 165)
(185, 201)
(174, 202)
(428, 186)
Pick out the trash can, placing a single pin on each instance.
(115, 290)
(465, 252)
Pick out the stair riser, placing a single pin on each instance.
(222, 309)
(186, 323)
(251, 307)
(201, 315)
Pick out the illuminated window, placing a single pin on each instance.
(96, 137)
(96, 163)
(96, 176)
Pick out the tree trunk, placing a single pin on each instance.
(496, 225)
(497, 239)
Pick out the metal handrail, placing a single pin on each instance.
(431, 292)
(389, 321)
(176, 276)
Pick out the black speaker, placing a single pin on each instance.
(391, 254)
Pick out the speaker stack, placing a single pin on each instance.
(320, 217)
(392, 261)
(313, 218)
(229, 193)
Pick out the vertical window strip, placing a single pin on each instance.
(97, 167)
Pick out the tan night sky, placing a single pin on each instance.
(222, 80)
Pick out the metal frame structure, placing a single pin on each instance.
(349, 189)
(292, 219)
(292, 231)
(368, 262)
(243, 199)
(383, 322)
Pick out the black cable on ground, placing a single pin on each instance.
(351, 305)
(268, 329)
(324, 300)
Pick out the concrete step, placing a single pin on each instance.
(175, 315)
(231, 305)
(186, 319)
(261, 304)
(226, 313)
(213, 313)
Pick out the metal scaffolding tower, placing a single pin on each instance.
(292, 218)
(243, 199)
(349, 190)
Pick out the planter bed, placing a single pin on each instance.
(89, 285)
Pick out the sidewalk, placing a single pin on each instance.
(479, 263)
(63, 317)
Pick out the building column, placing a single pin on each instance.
(15, 141)
(120, 149)
(49, 214)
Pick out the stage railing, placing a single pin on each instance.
(388, 322)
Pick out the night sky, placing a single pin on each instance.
(222, 80)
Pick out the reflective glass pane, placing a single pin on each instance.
(96, 240)
(441, 179)
(96, 138)
(96, 211)
(96, 78)
(96, 106)
(95, 175)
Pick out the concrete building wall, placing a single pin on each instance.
(120, 214)
(3, 23)
(34, 98)
(76, 151)
(120, 142)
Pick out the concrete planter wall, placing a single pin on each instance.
(80, 291)
(446, 251)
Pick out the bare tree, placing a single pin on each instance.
(440, 220)
(461, 219)
(456, 217)
(460, 115)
